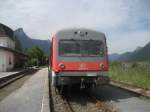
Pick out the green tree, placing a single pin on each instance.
(35, 56)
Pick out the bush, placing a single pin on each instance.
(134, 65)
(35, 56)
(115, 63)
(136, 73)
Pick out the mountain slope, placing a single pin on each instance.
(141, 55)
(125, 56)
(27, 42)
(113, 57)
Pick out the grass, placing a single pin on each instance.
(135, 73)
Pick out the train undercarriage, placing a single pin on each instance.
(82, 79)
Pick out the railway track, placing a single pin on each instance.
(58, 102)
(80, 102)
(6, 80)
(101, 105)
(67, 104)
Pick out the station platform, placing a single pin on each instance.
(31, 96)
(5, 74)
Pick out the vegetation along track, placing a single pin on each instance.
(77, 101)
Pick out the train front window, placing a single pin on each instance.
(81, 48)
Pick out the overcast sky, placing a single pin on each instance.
(126, 23)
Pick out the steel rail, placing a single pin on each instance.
(67, 105)
(100, 105)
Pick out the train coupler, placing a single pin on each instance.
(82, 85)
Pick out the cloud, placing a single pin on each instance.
(39, 18)
(128, 41)
(60, 14)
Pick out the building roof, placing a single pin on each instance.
(14, 51)
(6, 31)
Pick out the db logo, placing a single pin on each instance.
(82, 66)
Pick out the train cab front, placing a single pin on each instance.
(79, 57)
(81, 74)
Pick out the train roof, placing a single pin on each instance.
(79, 31)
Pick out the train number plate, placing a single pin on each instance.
(91, 74)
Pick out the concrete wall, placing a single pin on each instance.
(7, 42)
(9, 60)
(2, 61)
(6, 60)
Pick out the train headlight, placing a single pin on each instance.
(102, 66)
(61, 65)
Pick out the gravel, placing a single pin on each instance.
(80, 102)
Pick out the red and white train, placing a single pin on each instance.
(79, 56)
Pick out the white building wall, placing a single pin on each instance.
(7, 42)
(9, 60)
(10, 43)
(3, 41)
(2, 61)
(6, 60)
